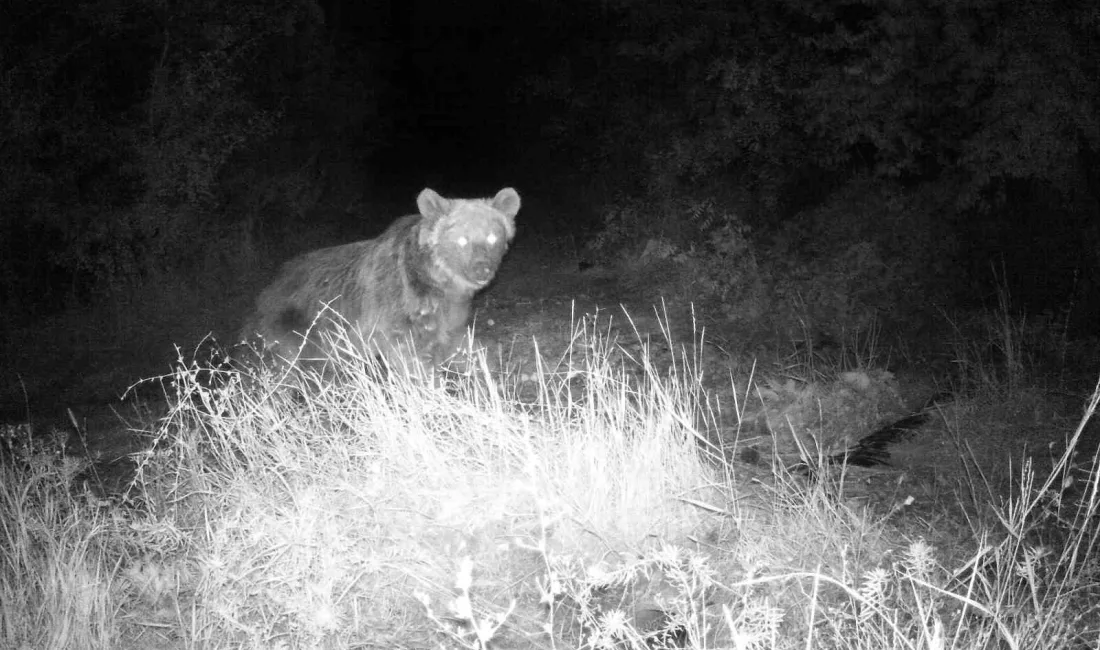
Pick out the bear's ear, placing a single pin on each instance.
(433, 208)
(507, 202)
(431, 205)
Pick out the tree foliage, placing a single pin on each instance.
(126, 126)
(964, 110)
(965, 95)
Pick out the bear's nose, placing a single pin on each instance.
(482, 271)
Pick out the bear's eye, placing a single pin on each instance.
(492, 239)
(462, 241)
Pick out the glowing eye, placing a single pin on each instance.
(462, 241)
(492, 238)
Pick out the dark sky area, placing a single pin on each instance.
(954, 139)
(458, 73)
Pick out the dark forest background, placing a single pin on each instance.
(869, 156)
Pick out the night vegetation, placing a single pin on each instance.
(863, 204)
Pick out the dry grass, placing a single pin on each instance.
(340, 510)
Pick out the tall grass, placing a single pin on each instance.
(59, 554)
(583, 505)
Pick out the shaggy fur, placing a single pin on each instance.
(404, 295)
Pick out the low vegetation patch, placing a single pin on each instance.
(602, 500)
